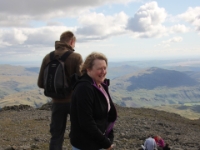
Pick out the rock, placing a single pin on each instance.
(17, 107)
(24, 128)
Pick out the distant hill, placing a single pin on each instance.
(189, 111)
(130, 86)
(156, 87)
(157, 77)
(195, 108)
(18, 85)
(33, 69)
(193, 74)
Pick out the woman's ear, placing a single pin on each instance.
(88, 71)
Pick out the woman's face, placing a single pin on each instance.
(98, 71)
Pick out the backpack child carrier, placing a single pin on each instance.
(55, 82)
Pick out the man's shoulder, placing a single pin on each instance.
(46, 58)
(73, 55)
(76, 54)
(47, 55)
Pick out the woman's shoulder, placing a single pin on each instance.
(83, 85)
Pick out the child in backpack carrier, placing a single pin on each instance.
(160, 142)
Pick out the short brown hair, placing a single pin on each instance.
(89, 61)
(67, 36)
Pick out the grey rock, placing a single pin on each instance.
(23, 127)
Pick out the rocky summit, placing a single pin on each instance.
(26, 128)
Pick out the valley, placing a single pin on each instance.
(134, 86)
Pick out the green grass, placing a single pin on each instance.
(187, 113)
(191, 104)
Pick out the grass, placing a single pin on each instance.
(34, 98)
(191, 104)
(18, 86)
(187, 113)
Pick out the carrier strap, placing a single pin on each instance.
(63, 57)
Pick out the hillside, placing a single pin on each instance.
(157, 77)
(156, 87)
(18, 85)
(186, 110)
(23, 127)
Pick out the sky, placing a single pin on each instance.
(123, 30)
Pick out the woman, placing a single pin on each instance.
(92, 111)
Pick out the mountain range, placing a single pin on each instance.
(131, 86)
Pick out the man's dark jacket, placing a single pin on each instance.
(90, 116)
(72, 66)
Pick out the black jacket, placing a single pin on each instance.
(90, 117)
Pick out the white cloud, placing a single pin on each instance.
(54, 23)
(14, 13)
(167, 43)
(29, 41)
(173, 40)
(33, 36)
(147, 22)
(42, 6)
(179, 28)
(98, 26)
(192, 16)
(12, 37)
(89, 29)
(29, 28)
(14, 20)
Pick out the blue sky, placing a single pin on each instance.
(121, 29)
